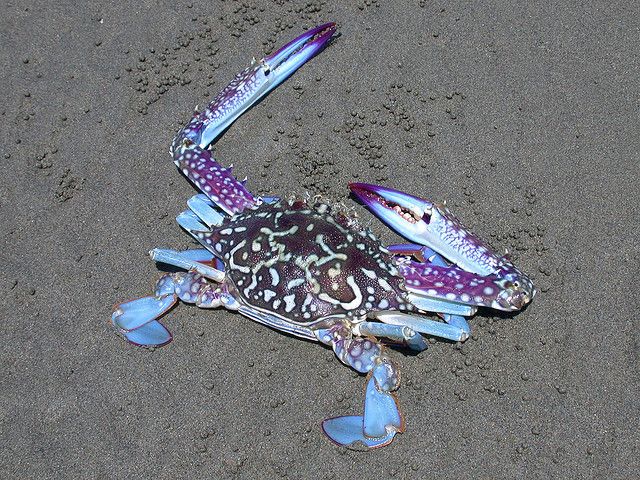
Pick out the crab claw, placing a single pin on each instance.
(297, 52)
(256, 81)
(431, 224)
(190, 146)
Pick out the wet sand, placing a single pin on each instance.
(523, 118)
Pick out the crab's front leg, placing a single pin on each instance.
(190, 147)
(477, 276)
(426, 256)
(382, 418)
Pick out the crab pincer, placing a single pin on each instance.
(476, 275)
(190, 147)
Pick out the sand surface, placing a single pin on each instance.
(523, 118)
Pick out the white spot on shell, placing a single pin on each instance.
(290, 302)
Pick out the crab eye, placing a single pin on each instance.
(516, 284)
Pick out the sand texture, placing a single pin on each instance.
(523, 116)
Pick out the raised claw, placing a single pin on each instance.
(190, 146)
(431, 224)
(253, 83)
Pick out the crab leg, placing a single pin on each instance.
(427, 255)
(179, 259)
(189, 147)
(397, 333)
(429, 304)
(423, 325)
(137, 320)
(204, 209)
(476, 265)
(381, 419)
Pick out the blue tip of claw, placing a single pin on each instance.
(376, 428)
(403, 212)
(297, 52)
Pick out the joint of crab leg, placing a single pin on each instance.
(396, 333)
(423, 325)
(215, 181)
(177, 259)
(209, 297)
(359, 353)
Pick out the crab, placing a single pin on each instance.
(306, 268)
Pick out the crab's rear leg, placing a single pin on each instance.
(382, 418)
(137, 320)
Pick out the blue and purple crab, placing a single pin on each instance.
(306, 268)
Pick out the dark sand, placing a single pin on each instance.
(524, 118)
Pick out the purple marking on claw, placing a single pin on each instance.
(456, 285)
(430, 224)
(215, 181)
(433, 225)
(253, 83)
